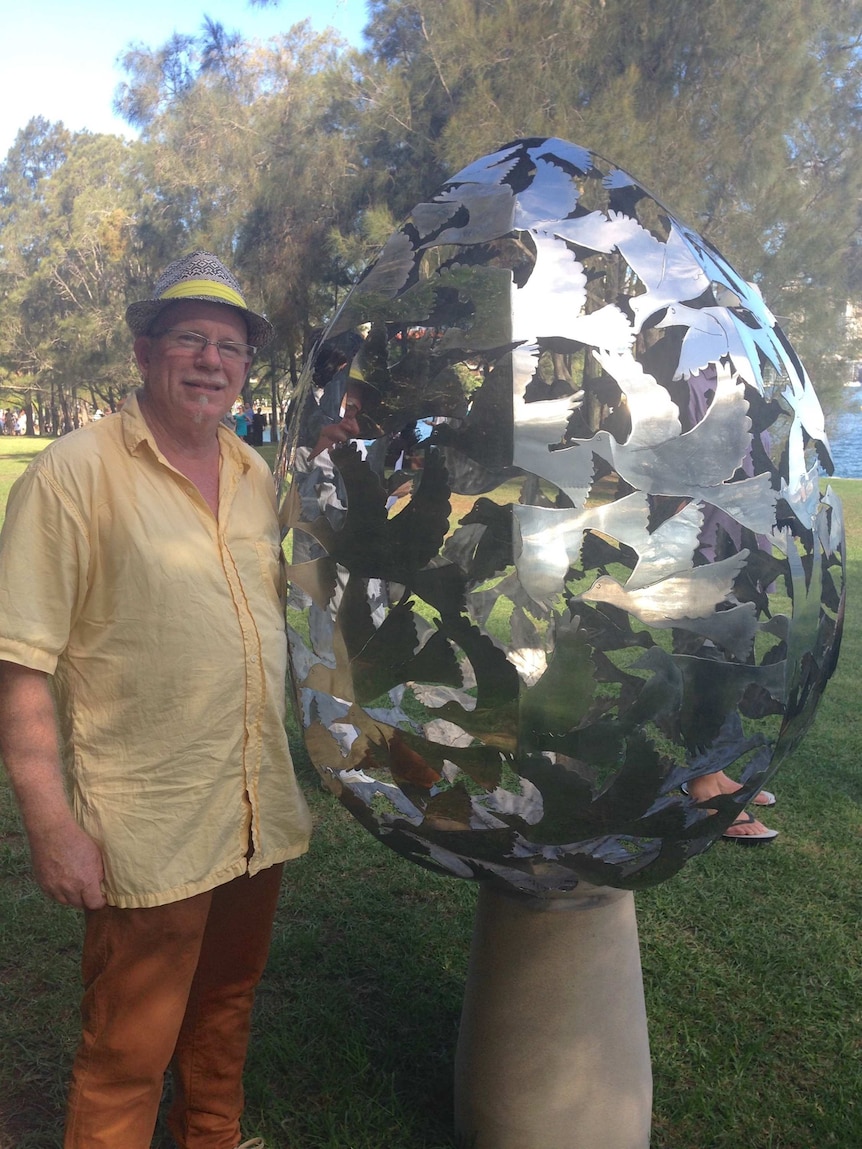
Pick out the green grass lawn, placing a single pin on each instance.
(752, 969)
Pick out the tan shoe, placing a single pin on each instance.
(255, 1143)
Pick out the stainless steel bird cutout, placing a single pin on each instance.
(556, 539)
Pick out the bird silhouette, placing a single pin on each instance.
(699, 706)
(590, 230)
(486, 207)
(814, 634)
(550, 540)
(384, 279)
(369, 543)
(725, 282)
(490, 169)
(660, 460)
(541, 426)
(551, 302)
(483, 213)
(552, 194)
(668, 270)
(668, 549)
(386, 655)
(800, 397)
(688, 601)
(801, 488)
(711, 332)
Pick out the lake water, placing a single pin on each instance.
(845, 439)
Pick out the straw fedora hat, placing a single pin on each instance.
(198, 275)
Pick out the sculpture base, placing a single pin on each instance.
(553, 1050)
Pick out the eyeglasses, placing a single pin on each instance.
(193, 343)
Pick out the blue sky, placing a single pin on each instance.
(58, 57)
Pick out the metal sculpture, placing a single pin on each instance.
(557, 548)
(576, 554)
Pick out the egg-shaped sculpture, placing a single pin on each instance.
(557, 544)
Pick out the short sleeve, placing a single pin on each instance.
(44, 554)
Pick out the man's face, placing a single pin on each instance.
(351, 409)
(347, 426)
(192, 387)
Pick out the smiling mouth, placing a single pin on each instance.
(204, 385)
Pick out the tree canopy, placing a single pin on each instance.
(294, 160)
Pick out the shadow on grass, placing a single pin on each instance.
(21, 459)
(357, 1019)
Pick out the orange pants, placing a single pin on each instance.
(169, 985)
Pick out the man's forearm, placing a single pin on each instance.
(67, 863)
(29, 745)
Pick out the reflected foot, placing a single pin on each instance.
(711, 784)
(747, 831)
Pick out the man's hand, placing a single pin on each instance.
(68, 866)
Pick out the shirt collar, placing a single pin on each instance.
(136, 432)
(135, 429)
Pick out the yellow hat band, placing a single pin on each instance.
(195, 288)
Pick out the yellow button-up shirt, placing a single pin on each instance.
(164, 631)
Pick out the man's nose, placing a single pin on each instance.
(209, 355)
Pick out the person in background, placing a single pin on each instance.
(248, 414)
(240, 423)
(140, 585)
(258, 426)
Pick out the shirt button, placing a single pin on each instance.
(253, 660)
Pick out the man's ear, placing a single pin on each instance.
(141, 348)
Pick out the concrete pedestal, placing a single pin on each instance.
(553, 1050)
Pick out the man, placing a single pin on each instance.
(140, 571)
(346, 427)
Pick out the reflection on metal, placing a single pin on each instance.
(556, 537)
